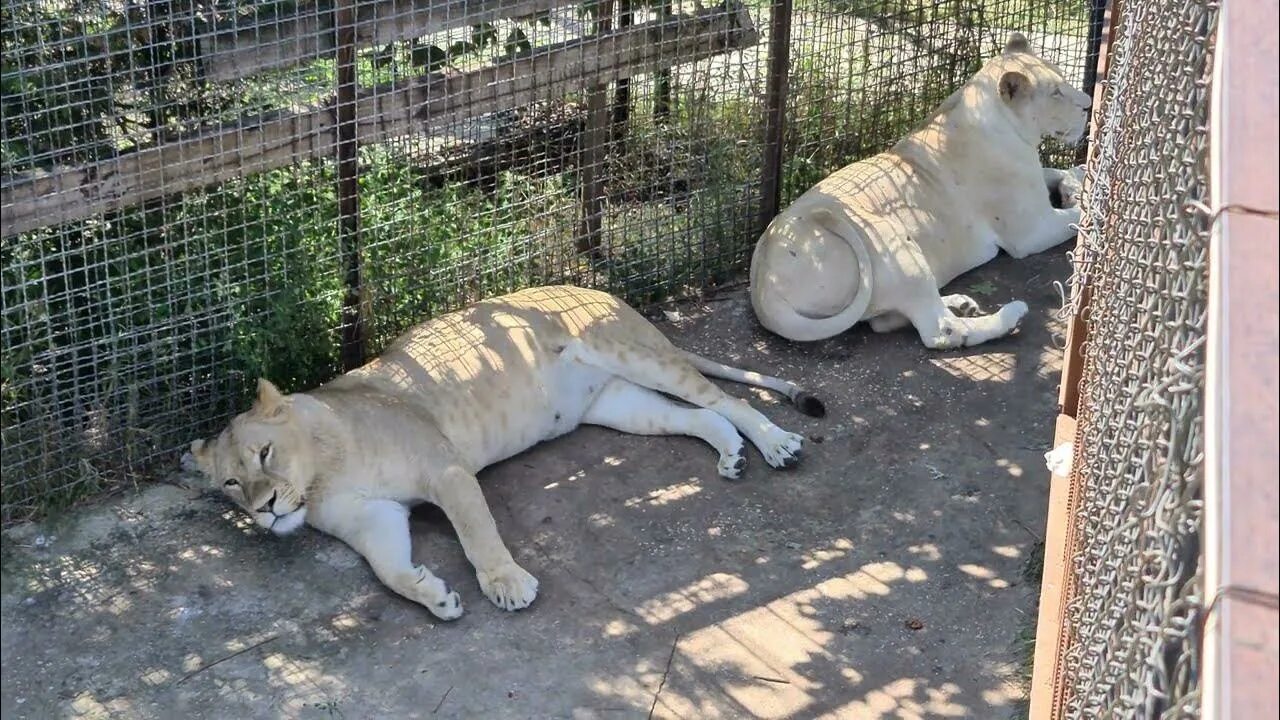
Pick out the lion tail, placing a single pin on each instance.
(804, 401)
(780, 317)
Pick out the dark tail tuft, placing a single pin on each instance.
(809, 405)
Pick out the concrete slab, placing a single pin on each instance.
(882, 578)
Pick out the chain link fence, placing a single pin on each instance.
(200, 192)
(1132, 628)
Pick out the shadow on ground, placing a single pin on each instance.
(883, 578)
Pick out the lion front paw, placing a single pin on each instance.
(509, 587)
(784, 451)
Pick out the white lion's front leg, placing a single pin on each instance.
(1053, 228)
(379, 530)
(505, 583)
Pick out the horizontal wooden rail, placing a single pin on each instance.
(270, 44)
(415, 105)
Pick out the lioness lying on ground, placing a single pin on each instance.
(461, 392)
(876, 240)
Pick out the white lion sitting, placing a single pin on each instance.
(461, 392)
(876, 240)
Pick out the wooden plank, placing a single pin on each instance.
(409, 106)
(271, 44)
(1053, 575)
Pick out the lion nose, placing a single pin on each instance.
(269, 505)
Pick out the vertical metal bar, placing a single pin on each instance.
(1097, 21)
(775, 110)
(595, 142)
(622, 90)
(662, 81)
(353, 321)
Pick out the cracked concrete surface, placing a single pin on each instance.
(882, 578)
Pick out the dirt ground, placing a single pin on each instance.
(886, 577)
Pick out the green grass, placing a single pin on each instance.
(1024, 646)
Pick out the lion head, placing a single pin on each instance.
(1037, 94)
(262, 461)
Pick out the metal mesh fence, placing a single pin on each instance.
(199, 193)
(1136, 594)
(865, 72)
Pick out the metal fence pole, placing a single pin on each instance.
(662, 83)
(353, 321)
(775, 110)
(622, 90)
(1097, 21)
(595, 142)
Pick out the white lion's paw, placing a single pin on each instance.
(435, 594)
(732, 463)
(962, 305)
(1013, 313)
(509, 587)
(783, 449)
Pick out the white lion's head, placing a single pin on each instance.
(1036, 94)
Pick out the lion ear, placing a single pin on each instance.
(198, 459)
(271, 402)
(1014, 86)
(1017, 43)
(202, 453)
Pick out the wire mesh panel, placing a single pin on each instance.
(1136, 595)
(865, 72)
(196, 194)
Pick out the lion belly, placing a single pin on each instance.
(573, 387)
(549, 404)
